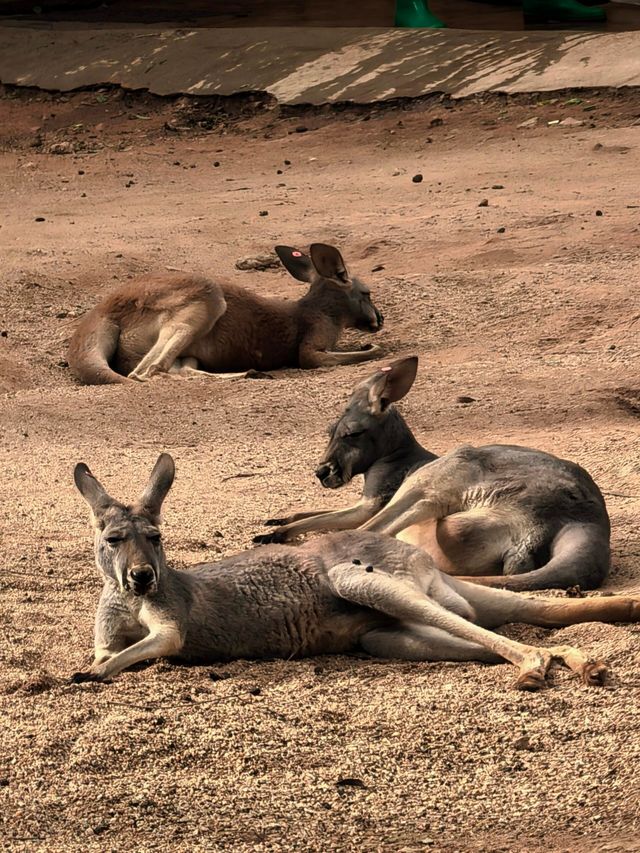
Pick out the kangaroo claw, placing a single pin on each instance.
(274, 522)
(82, 677)
(274, 538)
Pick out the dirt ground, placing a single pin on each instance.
(529, 304)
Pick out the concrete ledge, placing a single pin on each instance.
(317, 65)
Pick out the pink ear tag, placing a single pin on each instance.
(296, 254)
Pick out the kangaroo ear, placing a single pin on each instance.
(329, 263)
(391, 383)
(160, 482)
(296, 263)
(91, 489)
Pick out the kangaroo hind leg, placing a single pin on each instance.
(402, 600)
(177, 332)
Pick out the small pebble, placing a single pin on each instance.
(501, 230)
(81, 171)
(368, 568)
(497, 187)
(216, 164)
(464, 399)
(287, 162)
(40, 219)
(264, 213)
(599, 213)
(484, 203)
(417, 179)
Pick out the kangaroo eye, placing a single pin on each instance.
(113, 540)
(356, 434)
(153, 537)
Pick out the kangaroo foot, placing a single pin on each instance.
(533, 670)
(274, 522)
(592, 672)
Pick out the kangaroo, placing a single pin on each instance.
(190, 325)
(502, 515)
(345, 592)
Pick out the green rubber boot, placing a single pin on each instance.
(561, 12)
(416, 14)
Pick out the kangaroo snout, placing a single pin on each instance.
(142, 579)
(329, 475)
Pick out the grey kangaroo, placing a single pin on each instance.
(501, 515)
(189, 325)
(345, 592)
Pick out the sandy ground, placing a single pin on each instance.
(538, 323)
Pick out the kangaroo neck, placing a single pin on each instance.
(321, 299)
(403, 455)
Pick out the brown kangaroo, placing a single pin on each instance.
(506, 516)
(341, 593)
(178, 323)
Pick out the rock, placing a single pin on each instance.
(417, 179)
(258, 262)
(465, 400)
(377, 268)
(484, 203)
(497, 187)
(501, 230)
(40, 219)
(216, 164)
(599, 213)
(287, 162)
(436, 122)
(530, 122)
(61, 148)
(263, 213)
(571, 122)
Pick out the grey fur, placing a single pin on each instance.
(529, 519)
(340, 593)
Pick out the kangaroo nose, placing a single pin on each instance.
(142, 574)
(323, 472)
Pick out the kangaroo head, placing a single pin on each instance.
(128, 545)
(364, 432)
(333, 289)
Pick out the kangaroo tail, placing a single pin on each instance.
(580, 556)
(93, 345)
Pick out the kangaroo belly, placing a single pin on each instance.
(475, 542)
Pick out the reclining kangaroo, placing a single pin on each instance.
(177, 323)
(338, 594)
(506, 516)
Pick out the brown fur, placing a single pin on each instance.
(145, 326)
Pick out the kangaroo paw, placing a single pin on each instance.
(82, 677)
(274, 538)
